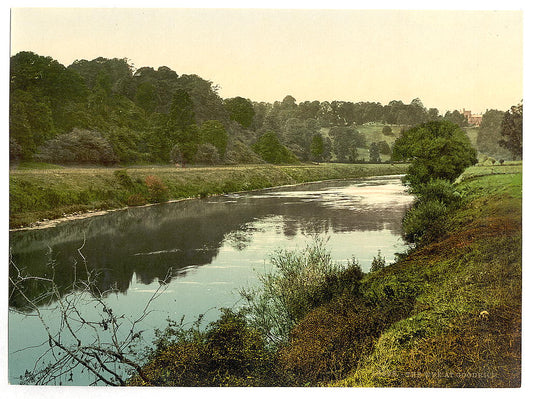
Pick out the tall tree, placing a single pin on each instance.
(436, 150)
(511, 130)
(373, 153)
(489, 134)
(317, 148)
(240, 110)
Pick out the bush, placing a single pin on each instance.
(378, 262)
(123, 178)
(299, 282)
(227, 353)
(272, 151)
(436, 190)
(422, 221)
(79, 146)
(328, 343)
(207, 154)
(157, 190)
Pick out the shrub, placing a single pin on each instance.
(272, 151)
(157, 190)
(207, 154)
(422, 221)
(436, 190)
(78, 146)
(227, 353)
(378, 262)
(330, 340)
(299, 282)
(123, 178)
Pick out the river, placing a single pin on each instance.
(210, 248)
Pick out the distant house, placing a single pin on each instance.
(473, 119)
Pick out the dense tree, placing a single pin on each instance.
(317, 148)
(30, 122)
(436, 150)
(489, 134)
(387, 131)
(373, 153)
(240, 110)
(181, 114)
(511, 130)
(457, 118)
(384, 147)
(146, 97)
(214, 133)
(272, 151)
(78, 147)
(345, 141)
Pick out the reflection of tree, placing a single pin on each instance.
(148, 241)
(239, 239)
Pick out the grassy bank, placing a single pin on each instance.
(464, 329)
(37, 193)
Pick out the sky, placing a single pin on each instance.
(448, 59)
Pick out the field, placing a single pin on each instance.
(43, 192)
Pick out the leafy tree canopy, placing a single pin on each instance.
(240, 110)
(436, 150)
(272, 151)
(511, 130)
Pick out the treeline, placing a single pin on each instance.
(105, 112)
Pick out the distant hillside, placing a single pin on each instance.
(105, 111)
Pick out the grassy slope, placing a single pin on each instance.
(446, 341)
(36, 194)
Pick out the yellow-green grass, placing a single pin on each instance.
(37, 194)
(465, 326)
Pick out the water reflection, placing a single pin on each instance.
(147, 242)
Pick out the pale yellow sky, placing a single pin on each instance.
(449, 59)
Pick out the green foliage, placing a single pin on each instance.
(214, 133)
(437, 190)
(77, 147)
(272, 151)
(457, 118)
(424, 221)
(298, 283)
(207, 154)
(373, 152)
(436, 150)
(181, 114)
(511, 130)
(317, 148)
(345, 143)
(490, 133)
(240, 110)
(387, 131)
(228, 353)
(384, 148)
(30, 123)
(378, 263)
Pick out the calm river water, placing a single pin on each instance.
(212, 248)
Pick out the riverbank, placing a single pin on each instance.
(446, 314)
(464, 329)
(38, 196)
